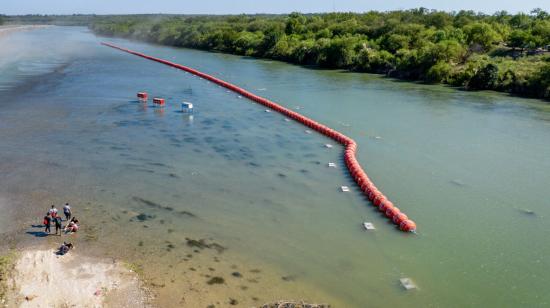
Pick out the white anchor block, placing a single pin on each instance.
(332, 165)
(344, 188)
(407, 283)
(328, 146)
(368, 226)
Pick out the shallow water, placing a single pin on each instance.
(471, 169)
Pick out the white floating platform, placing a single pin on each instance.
(407, 283)
(368, 226)
(344, 188)
(287, 120)
(308, 131)
(239, 96)
(267, 110)
(186, 107)
(332, 165)
(328, 146)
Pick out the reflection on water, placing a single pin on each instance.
(234, 203)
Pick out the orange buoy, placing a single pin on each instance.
(397, 219)
(373, 193)
(384, 206)
(378, 199)
(370, 187)
(407, 226)
(390, 212)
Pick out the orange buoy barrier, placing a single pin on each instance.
(358, 174)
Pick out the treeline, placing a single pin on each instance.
(59, 20)
(500, 52)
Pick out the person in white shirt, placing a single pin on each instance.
(67, 211)
(53, 211)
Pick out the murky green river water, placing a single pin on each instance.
(472, 169)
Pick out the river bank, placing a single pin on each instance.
(407, 45)
(6, 30)
(39, 277)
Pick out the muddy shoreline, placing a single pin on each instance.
(42, 278)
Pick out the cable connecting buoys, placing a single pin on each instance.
(158, 101)
(142, 96)
(358, 174)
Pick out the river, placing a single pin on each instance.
(238, 193)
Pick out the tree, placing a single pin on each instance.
(520, 21)
(518, 39)
(371, 60)
(394, 42)
(538, 13)
(449, 51)
(440, 72)
(481, 34)
(438, 20)
(485, 78)
(339, 52)
(247, 43)
(541, 32)
(541, 82)
(295, 23)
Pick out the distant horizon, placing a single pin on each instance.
(259, 13)
(251, 7)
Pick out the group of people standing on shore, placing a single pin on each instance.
(53, 217)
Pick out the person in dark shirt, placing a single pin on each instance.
(65, 248)
(47, 222)
(58, 226)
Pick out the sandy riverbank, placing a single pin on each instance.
(41, 278)
(6, 30)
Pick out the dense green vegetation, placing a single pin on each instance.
(60, 20)
(501, 51)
